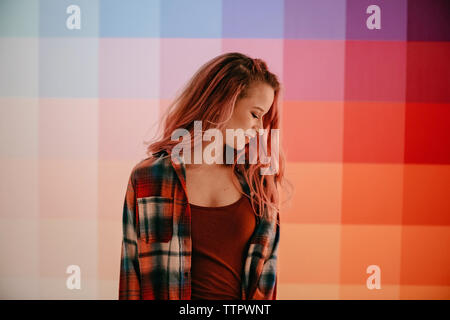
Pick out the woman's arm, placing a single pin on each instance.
(267, 285)
(129, 285)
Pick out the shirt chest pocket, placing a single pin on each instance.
(155, 218)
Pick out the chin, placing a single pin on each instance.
(227, 146)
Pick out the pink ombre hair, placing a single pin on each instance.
(210, 96)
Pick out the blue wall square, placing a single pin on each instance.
(19, 18)
(191, 19)
(55, 21)
(253, 19)
(131, 18)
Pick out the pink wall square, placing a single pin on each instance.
(124, 125)
(129, 68)
(314, 69)
(181, 58)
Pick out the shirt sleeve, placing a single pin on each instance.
(129, 284)
(267, 285)
(274, 296)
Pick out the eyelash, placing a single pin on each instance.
(254, 116)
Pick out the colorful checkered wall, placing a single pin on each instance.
(365, 123)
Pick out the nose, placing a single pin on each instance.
(259, 126)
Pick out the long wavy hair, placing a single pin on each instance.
(210, 96)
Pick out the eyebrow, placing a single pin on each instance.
(259, 108)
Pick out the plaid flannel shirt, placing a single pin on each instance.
(156, 244)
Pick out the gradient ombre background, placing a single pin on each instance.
(366, 117)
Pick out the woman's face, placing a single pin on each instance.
(250, 110)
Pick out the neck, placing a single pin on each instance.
(221, 154)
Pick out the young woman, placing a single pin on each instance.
(200, 230)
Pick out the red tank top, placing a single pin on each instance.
(220, 238)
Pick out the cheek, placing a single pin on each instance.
(241, 120)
